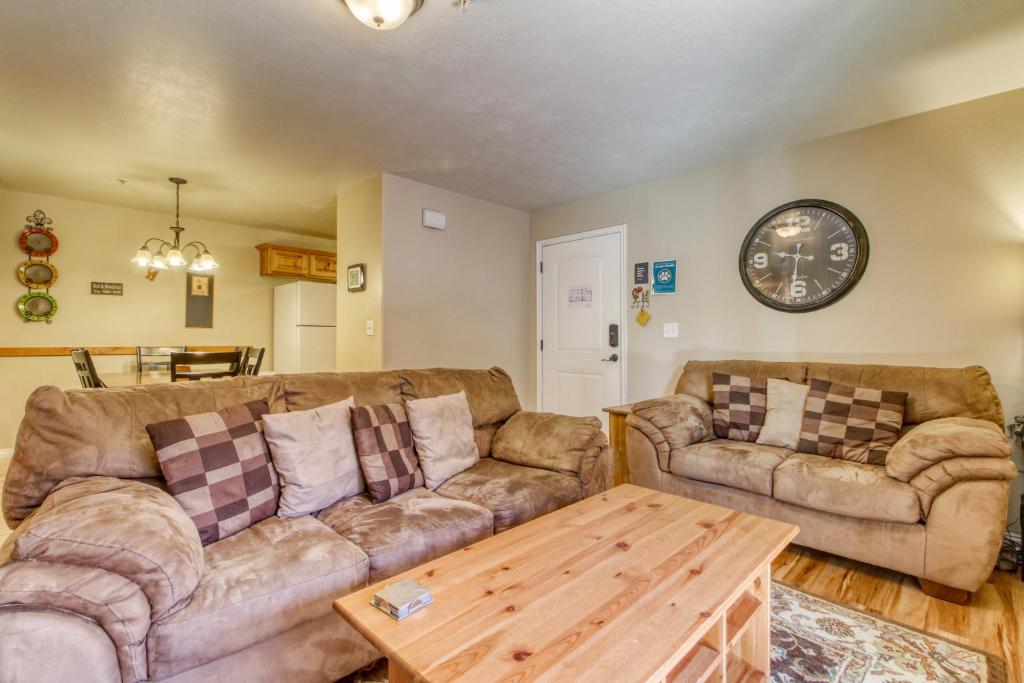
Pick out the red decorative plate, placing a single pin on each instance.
(37, 241)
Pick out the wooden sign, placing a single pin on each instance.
(108, 288)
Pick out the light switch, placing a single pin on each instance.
(670, 330)
(370, 331)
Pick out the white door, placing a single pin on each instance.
(317, 349)
(582, 297)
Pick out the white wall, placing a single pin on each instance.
(457, 297)
(96, 243)
(942, 197)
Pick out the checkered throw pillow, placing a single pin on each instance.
(740, 406)
(386, 453)
(217, 467)
(851, 423)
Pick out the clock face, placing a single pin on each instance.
(804, 255)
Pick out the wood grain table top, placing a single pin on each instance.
(616, 587)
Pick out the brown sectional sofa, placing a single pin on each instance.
(104, 578)
(936, 510)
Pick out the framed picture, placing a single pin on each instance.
(198, 300)
(356, 277)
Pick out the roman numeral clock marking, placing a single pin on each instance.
(799, 244)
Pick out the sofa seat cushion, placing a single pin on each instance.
(738, 464)
(408, 529)
(845, 488)
(513, 493)
(264, 580)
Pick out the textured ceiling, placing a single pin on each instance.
(269, 106)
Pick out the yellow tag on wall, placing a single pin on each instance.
(643, 317)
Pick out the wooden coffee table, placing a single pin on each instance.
(628, 585)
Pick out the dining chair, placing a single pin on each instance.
(162, 352)
(86, 370)
(252, 359)
(232, 359)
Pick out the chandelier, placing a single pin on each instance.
(172, 254)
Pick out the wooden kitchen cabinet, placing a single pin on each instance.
(308, 264)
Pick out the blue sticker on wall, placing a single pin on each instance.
(664, 277)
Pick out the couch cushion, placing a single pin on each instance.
(852, 423)
(442, 430)
(217, 466)
(845, 488)
(409, 529)
(515, 494)
(311, 389)
(784, 415)
(384, 444)
(739, 464)
(262, 581)
(548, 441)
(491, 396)
(740, 406)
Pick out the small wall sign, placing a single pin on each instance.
(198, 300)
(664, 277)
(641, 273)
(581, 296)
(108, 288)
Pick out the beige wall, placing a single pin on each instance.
(455, 297)
(942, 197)
(96, 243)
(359, 241)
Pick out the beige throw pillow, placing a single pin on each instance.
(315, 457)
(784, 415)
(442, 430)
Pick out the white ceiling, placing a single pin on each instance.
(269, 106)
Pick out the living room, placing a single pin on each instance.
(575, 230)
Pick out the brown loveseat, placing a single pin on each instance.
(936, 509)
(104, 578)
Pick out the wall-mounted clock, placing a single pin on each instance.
(804, 255)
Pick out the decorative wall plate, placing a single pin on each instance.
(37, 307)
(37, 274)
(37, 241)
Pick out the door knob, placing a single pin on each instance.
(614, 358)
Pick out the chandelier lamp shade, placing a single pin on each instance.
(383, 15)
(173, 254)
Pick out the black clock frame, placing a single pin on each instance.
(863, 252)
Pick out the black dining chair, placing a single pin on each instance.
(192, 359)
(145, 355)
(252, 359)
(86, 370)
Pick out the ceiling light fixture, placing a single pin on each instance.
(172, 254)
(383, 15)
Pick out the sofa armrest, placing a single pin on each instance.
(126, 528)
(72, 593)
(595, 473)
(944, 439)
(672, 422)
(946, 473)
(551, 442)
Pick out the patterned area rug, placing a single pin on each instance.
(817, 641)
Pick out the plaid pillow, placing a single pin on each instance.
(386, 453)
(217, 467)
(740, 406)
(851, 423)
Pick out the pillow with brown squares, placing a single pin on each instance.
(740, 406)
(386, 453)
(217, 466)
(851, 423)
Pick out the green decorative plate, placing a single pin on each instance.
(37, 307)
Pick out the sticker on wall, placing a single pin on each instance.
(581, 297)
(641, 297)
(664, 277)
(643, 317)
(641, 273)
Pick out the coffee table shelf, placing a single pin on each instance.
(701, 664)
(739, 616)
(739, 671)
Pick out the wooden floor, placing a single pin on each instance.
(993, 620)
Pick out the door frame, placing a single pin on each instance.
(621, 231)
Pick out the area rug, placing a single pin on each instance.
(817, 641)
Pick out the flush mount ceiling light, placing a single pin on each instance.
(383, 15)
(172, 254)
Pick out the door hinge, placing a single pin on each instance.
(541, 344)
(542, 266)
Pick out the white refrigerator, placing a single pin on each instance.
(304, 327)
